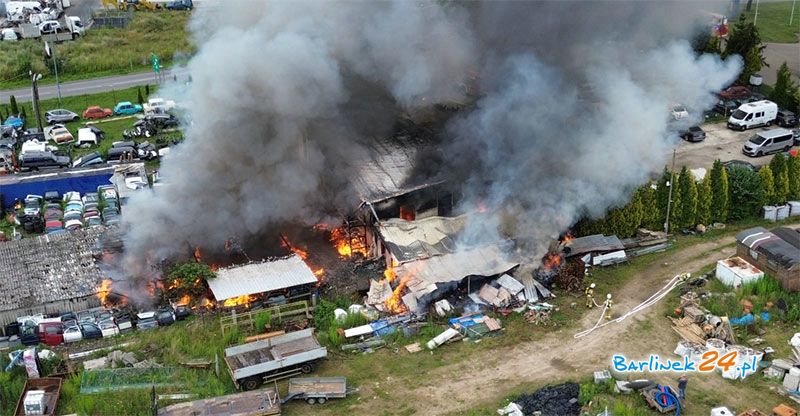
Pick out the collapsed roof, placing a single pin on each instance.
(266, 276)
(414, 240)
(427, 254)
(776, 248)
(394, 166)
(50, 268)
(424, 275)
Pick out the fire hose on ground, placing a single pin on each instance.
(666, 397)
(652, 300)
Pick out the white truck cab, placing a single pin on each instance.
(74, 25)
(755, 114)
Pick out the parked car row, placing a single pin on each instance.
(95, 323)
(108, 195)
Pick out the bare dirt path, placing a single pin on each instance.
(488, 375)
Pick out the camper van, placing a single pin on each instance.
(755, 114)
(770, 141)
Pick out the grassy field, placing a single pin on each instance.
(773, 21)
(101, 52)
(201, 338)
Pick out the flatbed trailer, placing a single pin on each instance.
(283, 356)
(318, 389)
(263, 402)
(52, 390)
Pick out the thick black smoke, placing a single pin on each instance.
(574, 109)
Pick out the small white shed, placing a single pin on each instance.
(735, 271)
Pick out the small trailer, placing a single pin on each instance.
(317, 390)
(275, 358)
(261, 402)
(43, 397)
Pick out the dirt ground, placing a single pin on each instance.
(488, 375)
(720, 143)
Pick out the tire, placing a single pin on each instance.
(759, 153)
(311, 400)
(307, 368)
(75, 118)
(251, 383)
(322, 400)
(787, 148)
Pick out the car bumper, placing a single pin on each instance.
(748, 152)
(734, 126)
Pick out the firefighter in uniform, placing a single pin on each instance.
(589, 291)
(609, 302)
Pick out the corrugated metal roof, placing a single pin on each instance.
(50, 268)
(421, 239)
(594, 243)
(776, 249)
(389, 168)
(266, 276)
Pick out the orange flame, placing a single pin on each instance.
(319, 272)
(344, 245)
(551, 261)
(214, 267)
(174, 285)
(567, 238)
(185, 300)
(103, 290)
(198, 256)
(237, 301)
(205, 303)
(395, 304)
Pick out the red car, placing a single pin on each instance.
(95, 112)
(51, 333)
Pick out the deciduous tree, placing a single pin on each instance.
(745, 193)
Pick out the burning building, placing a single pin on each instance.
(51, 273)
(424, 262)
(396, 177)
(288, 277)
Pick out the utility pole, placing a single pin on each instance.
(671, 186)
(755, 18)
(55, 66)
(35, 95)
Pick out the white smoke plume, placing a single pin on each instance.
(573, 115)
(571, 125)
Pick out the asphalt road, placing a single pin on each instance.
(89, 86)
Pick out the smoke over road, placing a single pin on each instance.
(573, 114)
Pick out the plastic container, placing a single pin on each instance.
(783, 212)
(794, 208)
(770, 213)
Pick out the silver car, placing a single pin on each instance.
(60, 116)
(769, 141)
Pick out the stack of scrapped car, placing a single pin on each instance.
(111, 213)
(73, 211)
(91, 210)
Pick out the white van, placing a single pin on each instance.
(758, 113)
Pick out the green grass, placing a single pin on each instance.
(101, 52)
(773, 21)
(113, 126)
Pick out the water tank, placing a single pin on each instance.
(756, 80)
